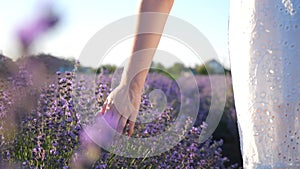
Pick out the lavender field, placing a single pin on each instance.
(43, 116)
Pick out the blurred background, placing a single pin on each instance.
(71, 23)
(39, 42)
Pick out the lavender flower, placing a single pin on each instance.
(50, 136)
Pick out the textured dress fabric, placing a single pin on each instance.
(264, 46)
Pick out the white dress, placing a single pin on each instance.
(264, 45)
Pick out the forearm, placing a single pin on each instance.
(149, 30)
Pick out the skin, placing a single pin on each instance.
(122, 105)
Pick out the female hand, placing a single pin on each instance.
(121, 107)
(123, 103)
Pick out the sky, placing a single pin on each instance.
(80, 20)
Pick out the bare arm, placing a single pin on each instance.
(145, 44)
(123, 103)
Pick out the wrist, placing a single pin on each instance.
(136, 86)
(132, 86)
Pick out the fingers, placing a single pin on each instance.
(106, 106)
(116, 119)
(112, 117)
(131, 123)
(103, 108)
(131, 127)
(119, 122)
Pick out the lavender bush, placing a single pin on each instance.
(51, 134)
